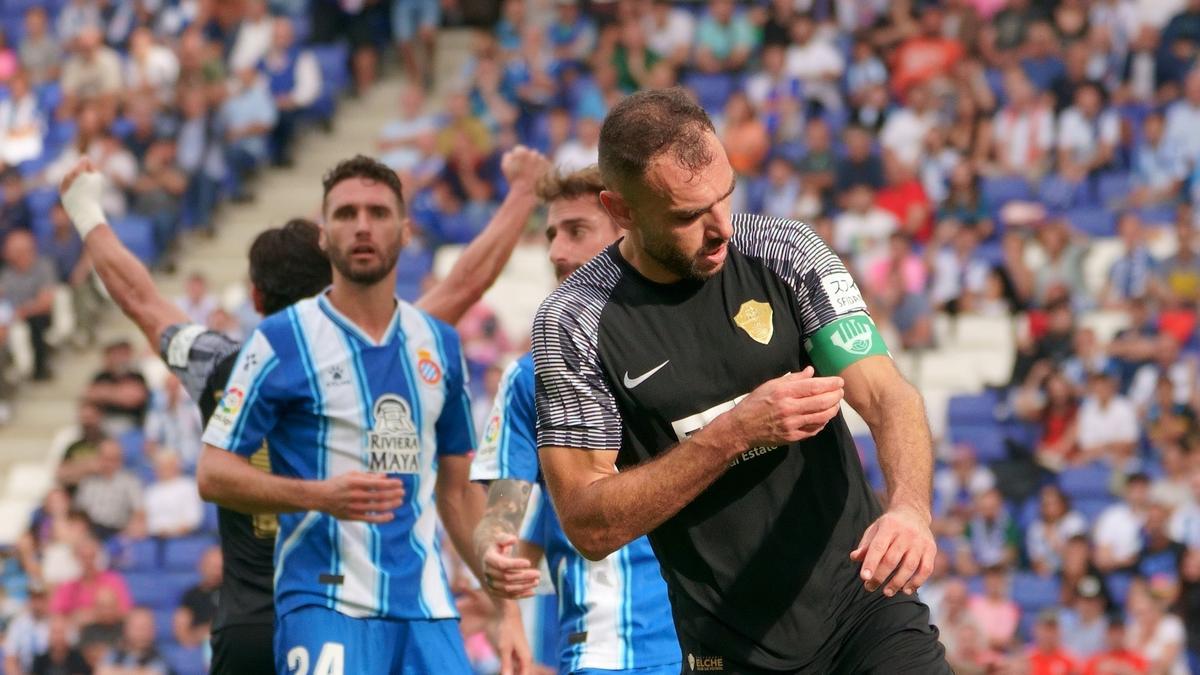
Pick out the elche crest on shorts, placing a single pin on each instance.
(393, 444)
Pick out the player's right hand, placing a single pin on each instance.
(80, 192)
(368, 497)
(523, 167)
(507, 575)
(787, 409)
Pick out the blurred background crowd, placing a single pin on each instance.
(1011, 181)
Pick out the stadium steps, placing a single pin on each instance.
(42, 409)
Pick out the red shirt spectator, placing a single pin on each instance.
(926, 56)
(905, 198)
(1047, 656)
(1116, 658)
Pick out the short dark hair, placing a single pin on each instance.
(361, 166)
(582, 183)
(288, 265)
(648, 123)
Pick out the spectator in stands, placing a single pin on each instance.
(173, 422)
(1132, 276)
(584, 149)
(41, 56)
(119, 390)
(194, 616)
(1108, 423)
(965, 205)
(778, 190)
(994, 611)
(253, 37)
(1118, 531)
(414, 28)
(1160, 557)
(94, 140)
(92, 74)
(246, 119)
(172, 502)
(862, 230)
(817, 168)
(957, 270)
(926, 56)
(398, 142)
(1084, 623)
(1182, 117)
(904, 133)
(1047, 656)
(1117, 656)
(777, 94)
(991, 534)
(1088, 357)
(1179, 275)
(1078, 565)
(77, 599)
(21, 123)
(1023, 131)
(897, 281)
(725, 39)
(743, 134)
(957, 486)
(61, 656)
(1178, 371)
(670, 31)
(197, 300)
(102, 631)
(905, 197)
(1087, 134)
(111, 496)
(27, 285)
(1159, 167)
(572, 34)
(1187, 607)
(137, 653)
(816, 63)
(14, 209)
(294, 78)
(199, 155)
(151, 70)
(1154, 633)
(1047, 536)
(28, 633)
(858, 165)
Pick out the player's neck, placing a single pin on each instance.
(630, 249)
(370, 308)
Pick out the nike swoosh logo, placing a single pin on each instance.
(633, 382)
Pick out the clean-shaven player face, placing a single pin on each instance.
(364, 230)
(578, 229)
(682, 216)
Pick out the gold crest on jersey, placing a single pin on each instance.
(756, 318)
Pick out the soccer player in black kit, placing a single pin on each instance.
(286, 265)
(705, 356)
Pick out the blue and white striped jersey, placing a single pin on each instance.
(330, 400)
(613, 614)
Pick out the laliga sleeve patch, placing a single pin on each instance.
(180, 346)
(843, 293)
(843, 342)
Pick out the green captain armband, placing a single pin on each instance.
(845, 341)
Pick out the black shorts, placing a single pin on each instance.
(247, 649)
(891, 638)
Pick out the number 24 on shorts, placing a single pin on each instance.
(331, 660)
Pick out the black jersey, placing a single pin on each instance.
(759, 563)
(203, 360)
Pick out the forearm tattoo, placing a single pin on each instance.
(507, 501)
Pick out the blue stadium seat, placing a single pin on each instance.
(1113, 187)
(139, 556)
(1086, 482)
(133, 446)
(1027, 513)
(150, 589)
(1091, 507)
(712, 89)
(1033, 592)
(164, 626)
(49, 95)
(1059, 193)
(1093, 220)
(183, 553)
(988, 441)
(184, 660)
(333, 60)
(137, 233)
(211, 518)
(1000, 190)
(1118, 584)
(1157, 215)
(41, 200)
(971, 409)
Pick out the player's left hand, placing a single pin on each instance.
(899, 542)
(512, 646)
(523, 167)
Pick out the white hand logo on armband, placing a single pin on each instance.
(854, 336)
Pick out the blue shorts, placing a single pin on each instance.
(410, 15)
(669, 669)
(319, 641)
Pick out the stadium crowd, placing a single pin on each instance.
(1028, 167)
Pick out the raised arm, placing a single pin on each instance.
(126, 278)
(485, 257)
(602, 509)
